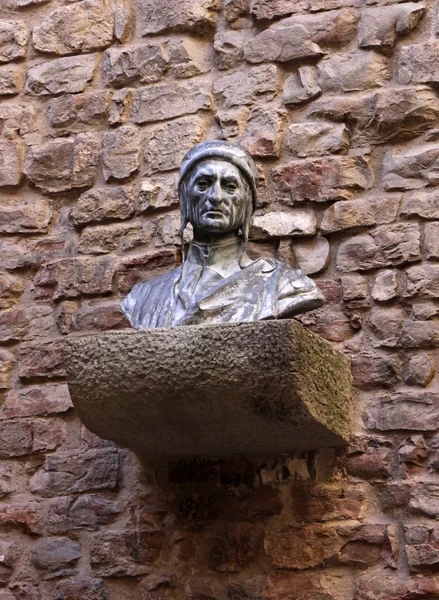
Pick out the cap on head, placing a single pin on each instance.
(226, 151)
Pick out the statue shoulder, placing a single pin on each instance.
(149, 293)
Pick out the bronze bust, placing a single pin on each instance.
(218, 282)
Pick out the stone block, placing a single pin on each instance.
(81, 589)
(302, 37)
(99, 317)
(178, 15)
(263, 131)
(418, 63)
(312, 256)
(276, 419)
(229, 48)
(373, 369)
(41, 359)
(270, 9)
(421, 204)
(386, 326)
(385, 286)
(103, 204)
(74, 277)
(36, 401)
(236, 9)
(25, 216)
(83, 27)
(295, 223)
(120, 106)
(422, 281)
(115, 238)
(13, 40)
(63, 164)
(66, 473)
(11, 163)
(11, 288)
(16, 254)
(322, 179)
(364, 212)
(161, 102)
(380, 27)
(406, 410)
(245, 86)
(166, 144)
(382, 585)
(11, 81)
(60, 76)
(120, 152)
(147, 63)
(420, 370)
(353, 72)
(420, 334)
(385, 246)
(302, 86)
(55, 554)
(90, 107)
(384, 116)
(411, 169)
(157, 193)
(431, 240)
(316, 139)
(189, 57)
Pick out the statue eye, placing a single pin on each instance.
(231, 187)
(202, 185)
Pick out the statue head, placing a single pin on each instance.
(217, 189)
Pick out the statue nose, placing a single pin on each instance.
(215, 196)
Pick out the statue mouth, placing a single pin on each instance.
(214, 213)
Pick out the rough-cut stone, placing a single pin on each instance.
(267, 411)
(103, 204)
(229, 48)
(420, 204)
(167, 143)
(157, 103)
(99, 317)
(284, 224)
(387, 115)
(36, 401)
(189, 57)
(409, 410)
(322, 179)
(380, 27)
(126, 553)
(41, 359)
(312, 256)
(63, 75)
(146, 64)
(63, 164)
(353, 72)
(115, 238)
(420, 334)
(22, 3)
(25, 216)
(262, 135)
(16, 254)
(157, 193)
(17, 120)
(245, 86)
(431, 240)
(423, 281)
(11, 81)
(384, 246)
(7, 363)
(360, 213)
(373, 369)
(55, 554)
(418, 63)
(66, 473)
(316, 139)
(424, 499)
(86, 26)
(411, 169)
(120, 105)
(11, 288)
(197, 15)
(302, 37)
(302, 86)
(380, 585)
(386, 325)
(236, 9)
(420, 370)
(120, 152)
(81, 589)
(72, 277)
(90, 107)
(385, 286)
(13, 40)
(11, 163)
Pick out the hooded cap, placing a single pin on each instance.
(226, 151)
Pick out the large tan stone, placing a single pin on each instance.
(11, 163)
(64, 75)
(13, 40)
(85, 26)
(178, 15)
(250, 388)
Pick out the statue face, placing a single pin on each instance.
(218, 197)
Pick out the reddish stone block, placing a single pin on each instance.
(41, 359)
(36, 401)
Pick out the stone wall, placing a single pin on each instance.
(336, 99)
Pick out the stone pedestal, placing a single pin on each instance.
(215, 390)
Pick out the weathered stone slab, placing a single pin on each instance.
(64, 75)
(251, 388)
(179, 15)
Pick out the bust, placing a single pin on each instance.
(217, 281)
